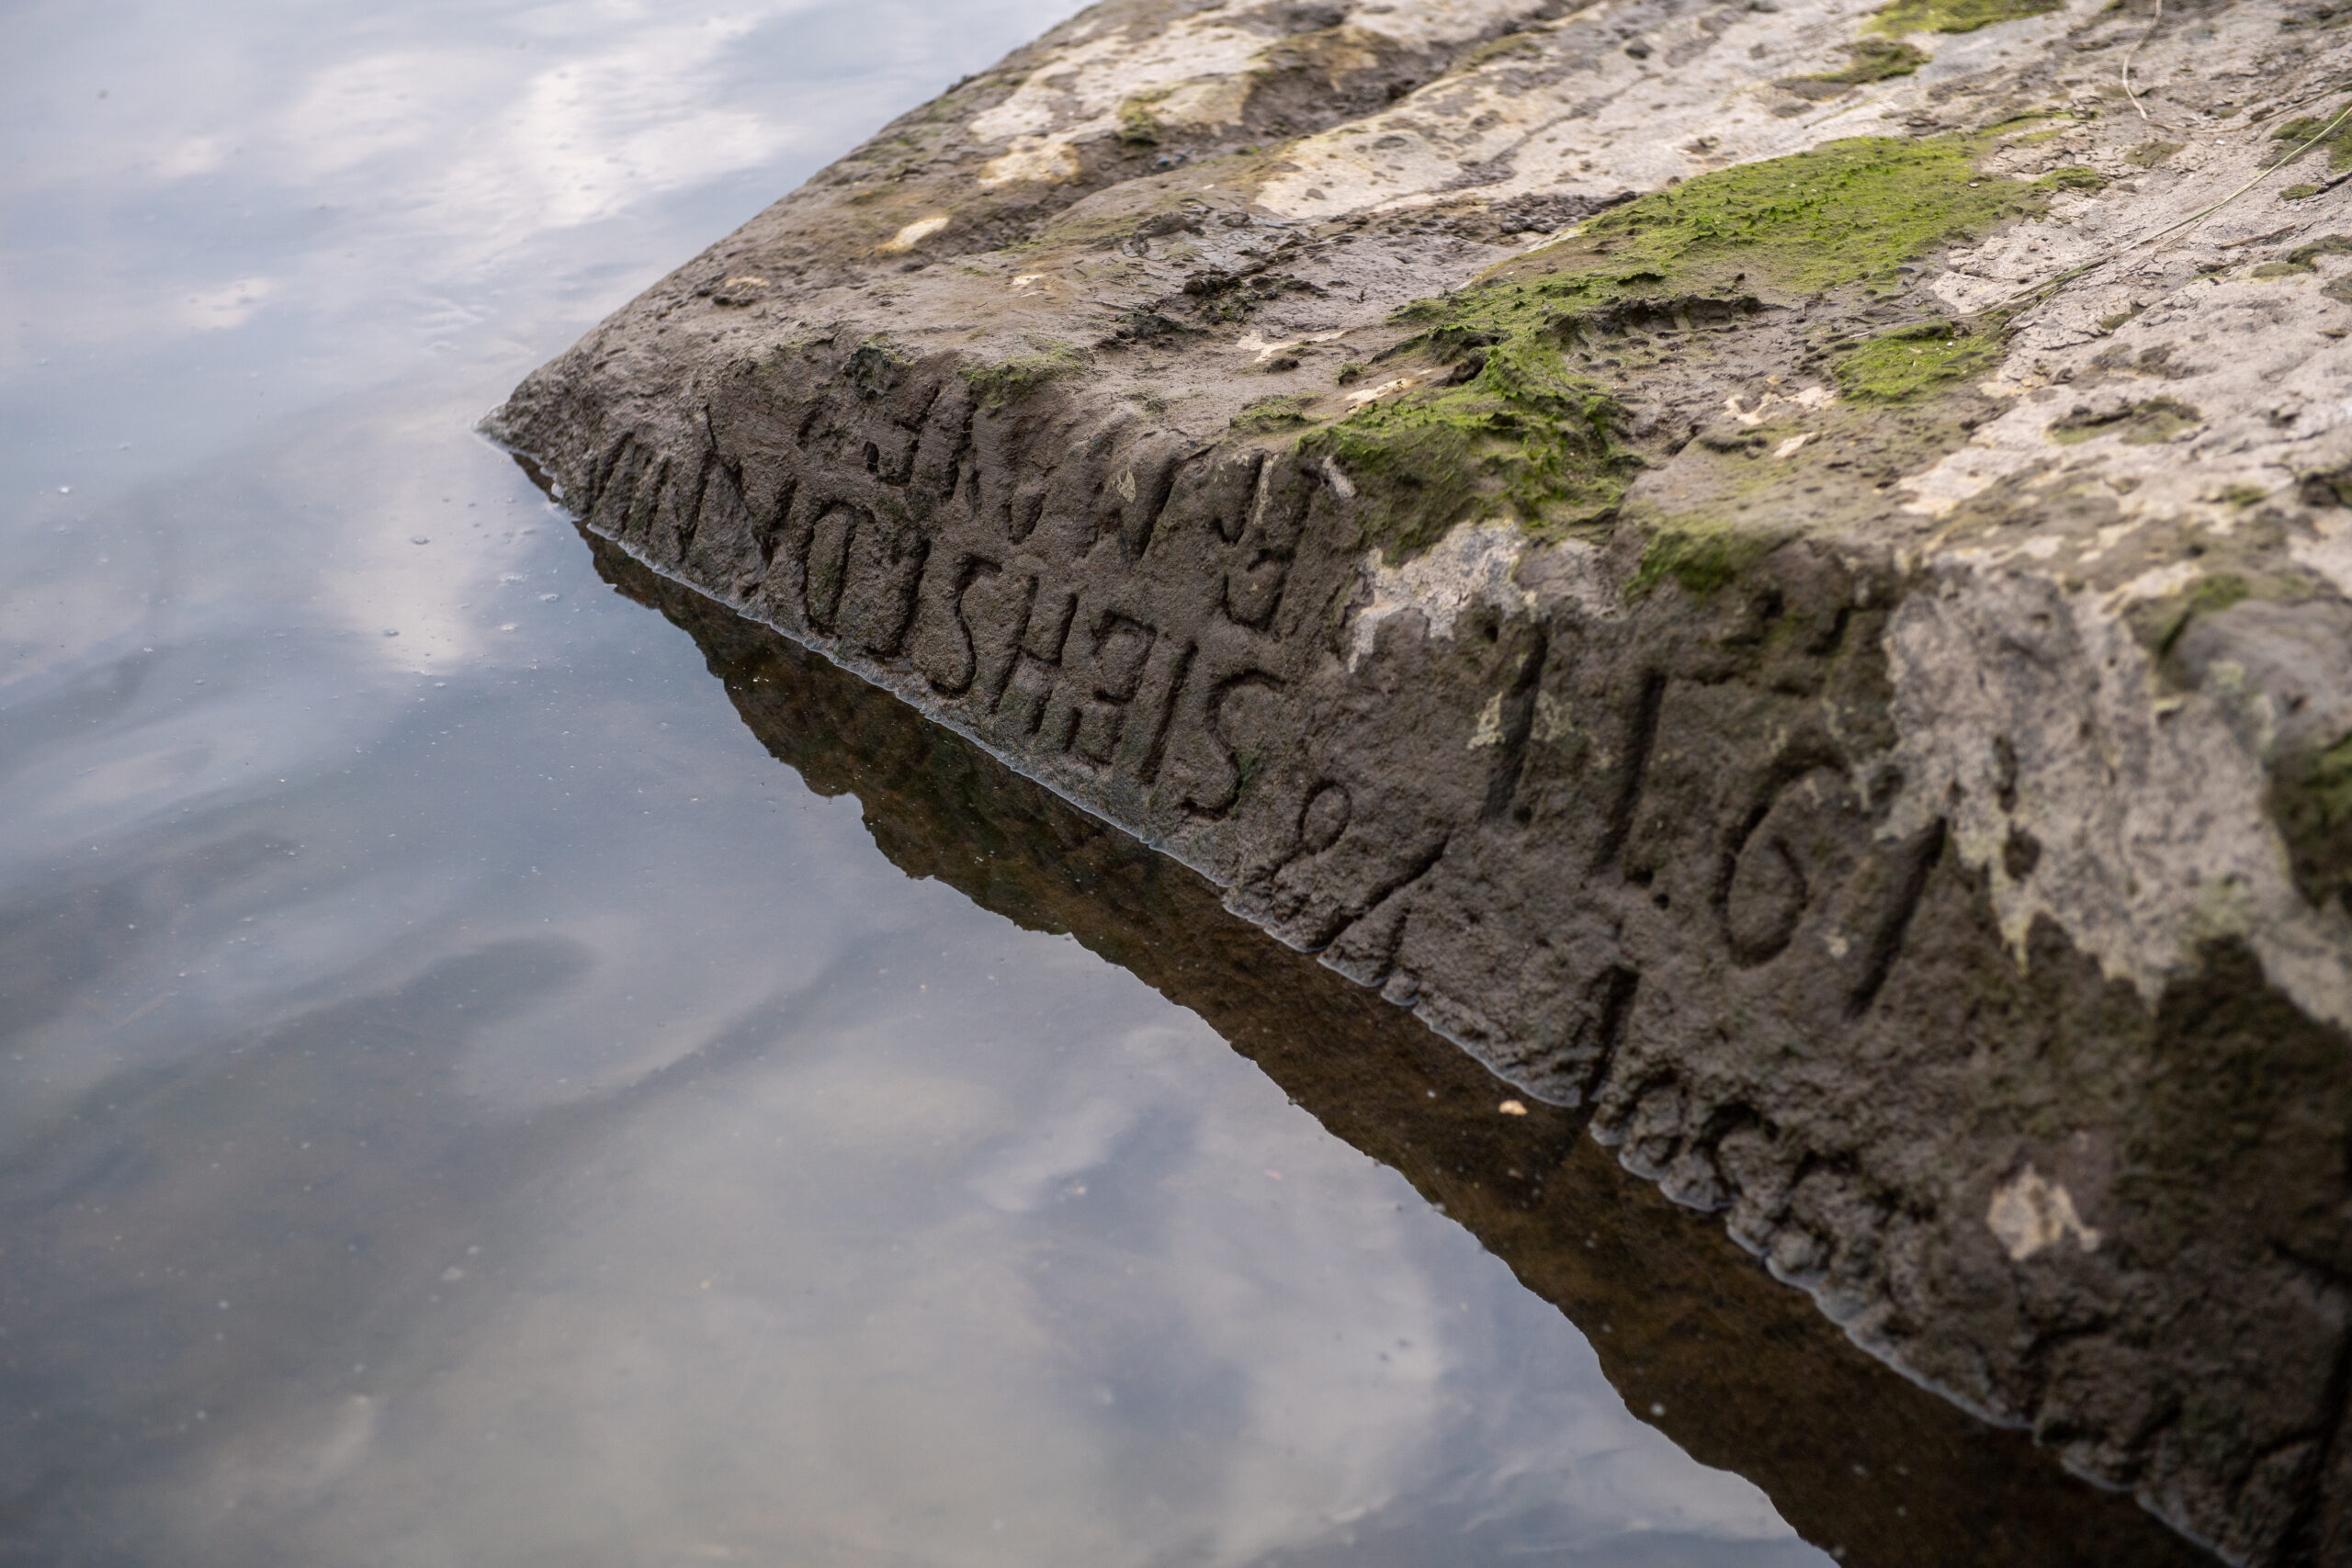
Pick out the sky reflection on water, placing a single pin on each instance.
(460, 1101)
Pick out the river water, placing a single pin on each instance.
(463, 1100)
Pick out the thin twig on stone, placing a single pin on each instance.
(2154, 23)
(2042, 290)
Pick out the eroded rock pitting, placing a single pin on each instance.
(1838, 664)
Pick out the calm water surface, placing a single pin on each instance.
(461, 1100)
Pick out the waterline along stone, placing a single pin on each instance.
(1781, 574)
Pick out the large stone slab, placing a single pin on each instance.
(1762, 570)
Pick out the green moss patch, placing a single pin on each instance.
(2306, 258)
(2337, 143)
(2311, 802)
(1871, 60)
(1138, 127)
(1512, 430)
(1848, 212)
(876, 367)
(1915, 362)
(1701, 559)
(1007, 379)
(1510, 45)
(2141, 424)
(1524, 436)
(2148, 154)
(1953, 16)
(1287, 410)
(2159, 624)
(2326, 487)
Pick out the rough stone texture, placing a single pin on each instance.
(1836, 662)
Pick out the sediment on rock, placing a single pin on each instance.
(1836, 660)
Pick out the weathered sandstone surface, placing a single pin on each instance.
(1768, 569)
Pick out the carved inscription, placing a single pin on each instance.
(1137, 493)
(1641, 740)
(1235, 714)
(1915, 864)
(1119, 647)
(825, 563)
(942, 646)
(769, 534)
(1268, 543)
(1360, 938)
(882, 569)
(1771, 872)
(1515, 721)
(1036, 668)
(1166, 672)
(990, 551)
(1323, 817)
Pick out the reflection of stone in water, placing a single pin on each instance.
(1741, 1372)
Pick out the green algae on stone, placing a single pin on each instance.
(1954, 16)
(1510, 45)
(1138, 127)
(2338, 142)
(2311, 802)
(1007, 379)
(1524, 435)
(1284, 411)
(2160, 623)
(875, 366)
(1847, 212)
(2304, 258)
(2141, 424)
(1520, 433)
(1871, 60)
(2326, 487)
(1701, 559)
(1912, 362)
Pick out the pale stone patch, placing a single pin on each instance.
(1204, 105)
(1471, 565)
(1812, 400)
(1371, 394)
(1261, 349)
(913, 234)
(1192, 73)
(2150, 818)
(1032, 159)
(2249, 354)
(1552, 721)
(1490, 728)
(2031, 1214)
